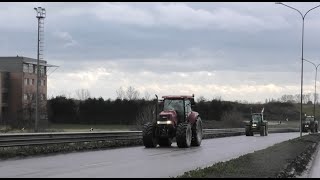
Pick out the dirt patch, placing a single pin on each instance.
(286, 159)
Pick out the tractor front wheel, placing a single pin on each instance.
(148, 136)
(248, 132)
(184, 135)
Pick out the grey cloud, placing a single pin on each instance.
(242, 41)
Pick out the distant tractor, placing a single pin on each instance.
(257, 124)
(176, 120)
(310, 123)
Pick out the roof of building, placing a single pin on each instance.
(178, 97)
(28, 60)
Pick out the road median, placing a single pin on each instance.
(282, 160)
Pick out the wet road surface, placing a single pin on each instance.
(132, 162)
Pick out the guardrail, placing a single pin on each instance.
(25, 139)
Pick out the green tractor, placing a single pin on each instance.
(310, 123)
(256, 124)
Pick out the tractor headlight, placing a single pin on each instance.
(164, 122)
(254, 125)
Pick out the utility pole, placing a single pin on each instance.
(41, 14)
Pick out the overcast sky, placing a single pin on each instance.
(237, 51)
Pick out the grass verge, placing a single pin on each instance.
(282, 160)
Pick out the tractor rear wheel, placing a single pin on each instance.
(312, 129)
(148, 136)
(266, 130)
(184, 135)
(197, 133)
(262, 130)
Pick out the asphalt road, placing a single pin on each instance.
(138, 162)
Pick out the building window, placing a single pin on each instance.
(32, 81)
(25, 68)
(25, 97)
(42, 70)
(42, 96)
(25, 81)
(28, 81)
(31, 96)
(43, 82)
(30, 68)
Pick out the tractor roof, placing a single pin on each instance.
(177, 97)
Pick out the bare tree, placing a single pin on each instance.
(297, 97)
(317, 97)
(146, 114)
(65, 94)
(308, 97)
(146, 95)
(132, 93)
(120, 93)
(201, 99)
(82, 94)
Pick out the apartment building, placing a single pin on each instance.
(18, 89)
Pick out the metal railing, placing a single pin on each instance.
(26, 139)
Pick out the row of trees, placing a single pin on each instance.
(100, 111)
(130, 108)
(307, 98)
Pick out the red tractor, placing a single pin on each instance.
(176, 120)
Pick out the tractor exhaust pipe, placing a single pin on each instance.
(156, 115)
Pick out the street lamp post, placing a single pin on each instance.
(41, 14)
(303, 17)
(315, 87)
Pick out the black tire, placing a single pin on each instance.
(197, 133)
(165, 142)
(248, 133)
(304, 130)
(184, 135)
(262, 130)
(312, 129)
(267, 131)
(148, 136)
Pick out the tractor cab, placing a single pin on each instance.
(257, 118)
(179, 106)
(257, 124)
(175, 120)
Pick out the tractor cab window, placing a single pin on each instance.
(173, 104)
(188, 106)
(309, 119)
(256, 118)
